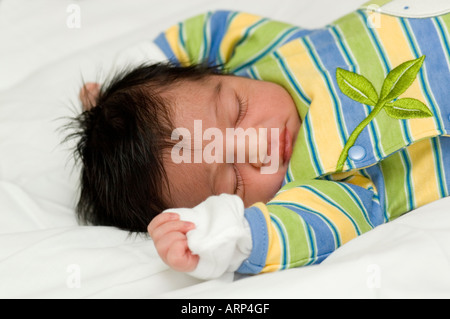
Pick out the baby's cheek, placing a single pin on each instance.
(263, 187)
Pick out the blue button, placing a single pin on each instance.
(356, 153)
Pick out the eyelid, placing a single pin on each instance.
(242, 108)
(239, 181)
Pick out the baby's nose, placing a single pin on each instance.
(249, 146)
(257, 154)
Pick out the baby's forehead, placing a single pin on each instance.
(194, 100)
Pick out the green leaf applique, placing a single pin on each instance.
(357, 87)
(360, 89)
(407, 108)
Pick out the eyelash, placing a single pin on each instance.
(241, 114)
(242, 108)
(239, 181)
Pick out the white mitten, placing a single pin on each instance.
(221, 237)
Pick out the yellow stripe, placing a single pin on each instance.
(321, 112)
(398, 50)
(234, 33)
(344, 226)
(273, 260)
(424, 173)
(172, 36)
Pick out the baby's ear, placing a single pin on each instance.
(89, 94)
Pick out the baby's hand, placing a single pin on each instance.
(169, 236)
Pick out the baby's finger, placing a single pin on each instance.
(171, 226)
(180, 258)
(166, 243)
(161, 219)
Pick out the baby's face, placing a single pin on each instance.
(213, 155)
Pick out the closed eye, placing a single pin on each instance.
(239, 184)
(243, 106)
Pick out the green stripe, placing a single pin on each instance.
(297, 235)
(394, 174)
(446, 21)
(344, 201)
(443, 30)
(193, 39)
(262, 37)
(357, 57)
(422, 77)
(439, 167)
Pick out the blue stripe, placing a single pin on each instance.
(180, 35)
(326, 199)
(161, 42)
(314, 223)
(311, 145)
(342, 46)
(407, 162)
(260, 239)
(429, 44)
(300, 33)
(421, 73)
(364, 198)
(218, 25)
(435, 142)
(288, 177)
(375, 174)
(444, 146)
(283, 240)
(321, 232)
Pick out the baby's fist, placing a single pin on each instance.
(169, 236)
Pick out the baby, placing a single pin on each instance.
(345, 129)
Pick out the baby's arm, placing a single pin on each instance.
(307, 221)
(301, 226)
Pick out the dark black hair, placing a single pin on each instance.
(121, 143)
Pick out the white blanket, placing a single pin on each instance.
(46, 48)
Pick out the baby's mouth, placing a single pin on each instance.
(285, 146)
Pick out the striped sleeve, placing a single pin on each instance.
(231, 39)
(303, 224)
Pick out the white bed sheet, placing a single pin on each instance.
(45, 254)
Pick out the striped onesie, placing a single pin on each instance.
(373, 94)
